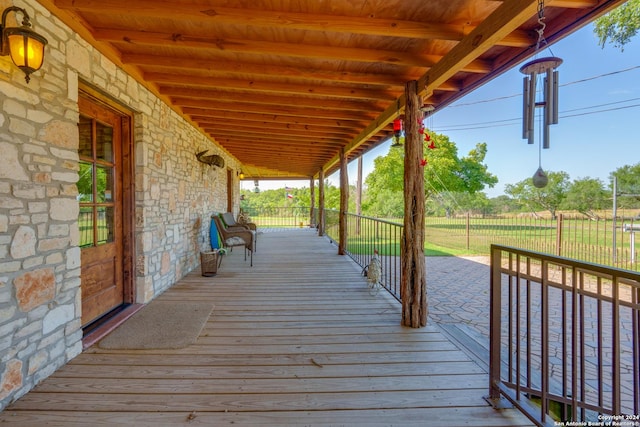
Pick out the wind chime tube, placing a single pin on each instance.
(531, 117)
(547, 106)
(554, 95)
(525, 108)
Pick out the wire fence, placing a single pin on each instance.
(605, 241)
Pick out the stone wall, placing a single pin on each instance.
(40, 327)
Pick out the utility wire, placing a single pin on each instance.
(612, 73)
(516, 121)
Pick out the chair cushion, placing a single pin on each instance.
(235, 241)
(227, 219)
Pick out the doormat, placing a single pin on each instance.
(160, 325)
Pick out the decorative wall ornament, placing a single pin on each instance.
(211, 159)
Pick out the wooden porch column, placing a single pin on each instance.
(321, 203)
(312, 188)
(413, 286)
(359, 195)
(344, 203)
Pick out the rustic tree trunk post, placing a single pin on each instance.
(321, 217)
(344, 203)
(312, 197)
(413, 285)
(359, 196)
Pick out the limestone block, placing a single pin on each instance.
(57, 317)
(11, 167)
(24, 242)
(11, 378)
(61, 134)
(64, 209)
(35, 288)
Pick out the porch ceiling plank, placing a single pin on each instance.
(341, 64)
(307, 347)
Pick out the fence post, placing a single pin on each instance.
(559, 221)
(468, 229)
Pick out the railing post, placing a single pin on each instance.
(495, 304)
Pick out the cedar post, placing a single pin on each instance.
(312, 208)
(344, 203)
(413, 285)
(359, 196)
(321, 203)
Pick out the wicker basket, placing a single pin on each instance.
(209, 263)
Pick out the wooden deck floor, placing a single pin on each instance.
(294, 340)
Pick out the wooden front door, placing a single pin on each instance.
(100, 189)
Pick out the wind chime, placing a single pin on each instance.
(543, 69)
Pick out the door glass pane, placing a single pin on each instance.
(85, 224)
(85, 182)
(104, 184)
(84, 128)
(104, 142)
(105, 224)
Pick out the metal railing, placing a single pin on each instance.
(366, 234)
(565, 338)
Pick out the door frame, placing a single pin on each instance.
(128, 188)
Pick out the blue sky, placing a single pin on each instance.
(599, 104)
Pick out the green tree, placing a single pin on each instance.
(620, 25)
(548, 198)
(503, 204)
(444, 171)
(628, 185)
(587, 195)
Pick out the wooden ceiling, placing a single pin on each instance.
(285, 85)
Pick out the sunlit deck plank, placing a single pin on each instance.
(294, 340)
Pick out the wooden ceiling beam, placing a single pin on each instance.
(226, 98)
(272, 87)
(259, 117)
(125, 37)
(309, 129)
(225, 69)
(220, 129)
(276, 135)
(214, 110)
(289, 20)
(241, 142)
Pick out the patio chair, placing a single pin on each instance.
(231, 238)
(230, 221)
(232, 225)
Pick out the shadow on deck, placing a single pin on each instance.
(294, 340)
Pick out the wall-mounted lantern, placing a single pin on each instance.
(25, 46)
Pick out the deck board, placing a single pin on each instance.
(294, 340)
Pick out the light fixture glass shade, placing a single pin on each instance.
(26, 48)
